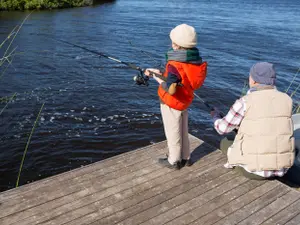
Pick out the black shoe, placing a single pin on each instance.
(186, 162)
(164, 162)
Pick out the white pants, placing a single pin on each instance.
(177, 134)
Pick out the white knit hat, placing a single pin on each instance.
(184, 36)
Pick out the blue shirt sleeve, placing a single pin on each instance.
(173, 75)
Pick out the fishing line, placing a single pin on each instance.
(295, 91)
(140, 79)
(292, 81)
(147, 54)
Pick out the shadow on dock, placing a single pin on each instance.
(201, 151)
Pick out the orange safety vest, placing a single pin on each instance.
(192, 78)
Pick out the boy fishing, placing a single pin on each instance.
(184, 73)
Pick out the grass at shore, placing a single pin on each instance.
(5, 61)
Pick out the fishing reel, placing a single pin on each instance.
(140, 79)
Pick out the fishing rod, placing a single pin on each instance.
(211, 108)
(292, 81)
(204, 102)
(221, 114)
(139, 79)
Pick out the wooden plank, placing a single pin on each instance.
(142, 192)
(116, 189)
(81, 174)
(127, 158)
(142, 201)
(254, 206)
(186, 204)
(71, 193)
(76, 184)
(234, 205)
(285, 215)
(215, 203)
(137, 214)
(40, 206)
(265, 213)
(122, 159)
(78, 213)
(86, 190)
(37, 209)
(294, 221)
(136, 193)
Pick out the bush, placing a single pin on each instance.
(41, 4)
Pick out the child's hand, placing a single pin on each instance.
(149, 70)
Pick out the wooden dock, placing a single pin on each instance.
(132, 188)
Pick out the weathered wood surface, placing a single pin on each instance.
(133, 189)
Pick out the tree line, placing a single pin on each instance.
(41, 4)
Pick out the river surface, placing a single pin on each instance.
(92, 108)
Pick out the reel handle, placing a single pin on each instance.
(161, 77)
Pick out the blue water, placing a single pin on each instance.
(92, 109)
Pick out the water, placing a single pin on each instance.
(92, 109)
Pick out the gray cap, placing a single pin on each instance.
(263, 73)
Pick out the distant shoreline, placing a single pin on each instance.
(21, 5)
